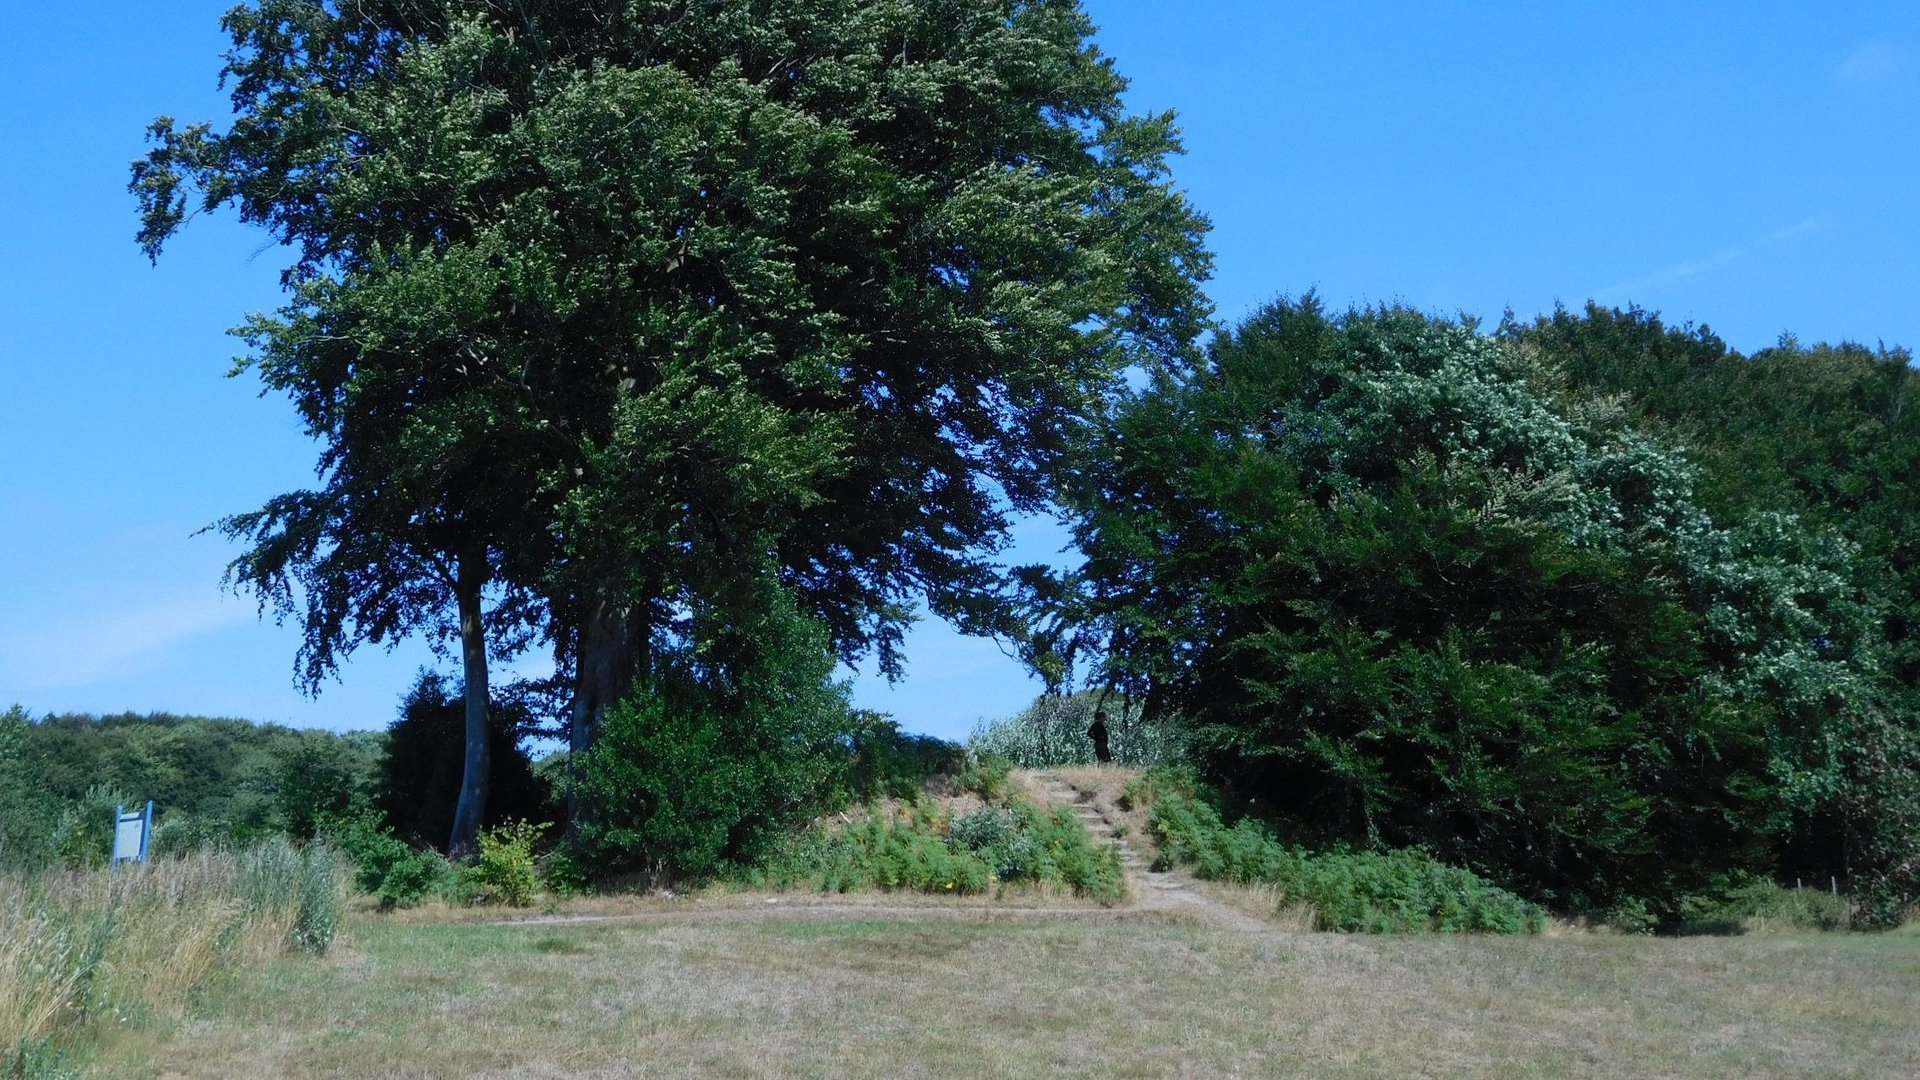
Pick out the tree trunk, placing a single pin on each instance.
(472, 807)
(605, 664)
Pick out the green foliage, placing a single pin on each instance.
(1763, 905)
(1158, 783)
(83, 835)
(1401, 598)
(884, 761)
(565, 874)
(1056, 847)
(420, 775)
(719, 753)
(986, 774)
(906, 852)
(316, 781)
(26, 814)
(213, 782)
(1826, 434)
(1053, 731)
(1401, 891)
(618, 312)
(919, 848)
(395, 874)
(505, 873)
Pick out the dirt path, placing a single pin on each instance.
(1171, 892)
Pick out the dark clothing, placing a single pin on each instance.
(1098, 733)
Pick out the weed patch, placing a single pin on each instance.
(922, 848)
(1351, 891)
(86, 948)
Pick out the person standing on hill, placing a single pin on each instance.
(1102, 752)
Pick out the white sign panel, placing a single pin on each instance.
(130, 835)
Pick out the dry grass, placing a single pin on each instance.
(1102, 787)
(865, 997)
(100, 946)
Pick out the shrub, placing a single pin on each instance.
(315, 781)
(920, 849)
(26, 814)
(565, 874)
(505, 872)
(183, 834)
(986, 775)
(412, 879)
(1405, 598)
(1355, 891)
(983, 829)
(717, 753)
(1155, 783)
(882, 760)
(83, 833)
(1764, 905)
(395, 874)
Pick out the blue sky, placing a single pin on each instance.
(1750, 166)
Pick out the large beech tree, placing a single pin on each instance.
(645, 298)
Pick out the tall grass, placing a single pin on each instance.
(80, 947)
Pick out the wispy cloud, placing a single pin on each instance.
(1676, 272)
(1798, 228)
(1622, 290)
(1872, 63)
(108, 642)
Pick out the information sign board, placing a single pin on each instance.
(131, 832)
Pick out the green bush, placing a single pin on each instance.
(386, 867)
(180, 834)
(986, 775)
(1764, 905)
(1353, 891)
(316, 780)
(83, 835)
(505, 872)
(920, 849)
(1405, 598)
(882, 760)
(564, 874)
(1156, 783)
(907, 850)
(412, 879)
(723, 749)
(25, 811)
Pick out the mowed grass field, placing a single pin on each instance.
(838, 994)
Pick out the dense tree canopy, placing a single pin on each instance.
(1827, 434)
(601, 308)
(212, 780)
(1402, 596)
